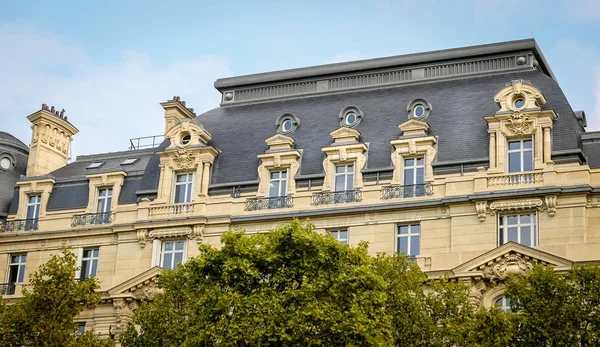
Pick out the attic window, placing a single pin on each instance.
(95, 165)
(350, 117)
(287, 123)
(418, 109)
(129, 161)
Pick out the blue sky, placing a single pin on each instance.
(110, 63)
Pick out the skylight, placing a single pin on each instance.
(95, 165)
(129, 161)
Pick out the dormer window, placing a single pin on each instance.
(129, 161)
(287, 123)
(183, 188)
(418, 109)
(350, 117)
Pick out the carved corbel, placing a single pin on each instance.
(551, 204)
(477, 289)
(142, 237)
(197, 233)
(481, 208)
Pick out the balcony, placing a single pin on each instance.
(7, 288)
(516, 179)
(92, 218)
(21, 225)
(324, 198)
(408, 191)
(171, 210)
(255, 204)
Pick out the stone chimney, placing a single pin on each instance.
(50, 141)
(175, 110)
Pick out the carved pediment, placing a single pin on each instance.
(197, 134)
(141, 287)
(279, 142)
(345, 134)
(414, 127)
(528, 95)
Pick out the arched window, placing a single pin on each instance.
(503, 303)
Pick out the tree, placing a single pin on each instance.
(295, 287)
(44, 317)
(554, 309)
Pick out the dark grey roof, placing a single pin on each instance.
(19, 152)
(456, 119)
(6, 137)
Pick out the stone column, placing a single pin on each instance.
(547, 145)
(205, 179)
(493, 150)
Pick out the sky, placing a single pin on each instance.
(110, 63)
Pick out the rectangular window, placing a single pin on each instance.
(414, 176)
(344, 177)
(277, 184)
(80, 328)
(518, 228)
(104, 200)
(183, 188)
(341, 235)
(16, 268)
(172, 253)
(89, 263)
(520, 155)
(408, 240)
(34, 202)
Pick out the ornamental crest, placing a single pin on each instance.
(510, 264)
(519, 124)
(184, 159)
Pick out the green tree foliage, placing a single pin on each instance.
(295, 287)
(44, 317)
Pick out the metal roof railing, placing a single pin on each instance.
(145, 142)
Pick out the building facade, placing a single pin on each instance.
(471, 160)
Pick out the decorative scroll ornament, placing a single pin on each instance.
(196, 232)
(551, 205)
(142, 236)
(481, 208)
(519, 124)
(509, 264)
(504, 206)
(184, 159)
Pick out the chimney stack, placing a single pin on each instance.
(175, 110)
(50, 141)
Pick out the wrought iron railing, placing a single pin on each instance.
(21, 225)
(323, 198)
(145, 142)
(254, 204)
(408, 191)
(7, 288)
(92, 218)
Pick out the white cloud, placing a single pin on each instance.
(108, 103)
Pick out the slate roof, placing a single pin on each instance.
(458, 108)
(12, 145)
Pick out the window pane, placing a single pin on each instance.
(274, 175)
(514, 162)
(340, 183)
(420, 161)
(415, 245)
(403, 245)
(178, 258)
(94, 268)
(274, 189)
(513, 235)
(514, 145)
(21, 273)
(501, 220)
(179, 245)
(168, 246)
(96, 252)
(85, 268)
(343, 235)
(188, 196)
(409, 162)
(31, 212)
(340, 169)
(167, 260)
(23, 258)
(403, 229)
(420, 176)
(415, 228)
(15, 259)
(409, 178)
(525, 218)
(181, 178)
(87, 253)
(283, 174)
(512, 219)
(526, 236)
(501, 237)
(179, 193)
(527, 144)
(350, 181)
(13, 273)
(528, 161)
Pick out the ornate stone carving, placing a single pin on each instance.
(481, 208)
(519, 124)
(509, 264)
(142, 237)
(551, 205)
(478, 288)
(184, 159)
(197, 233)
(124, 309)
(170, 233)
(516, 205)
(146, 291)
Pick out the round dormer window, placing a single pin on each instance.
(6, 163)
(350, 117)
(519, 103)
(287, 126)
(287, 123)
(186, 138)
(418, 109)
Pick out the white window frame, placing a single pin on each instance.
(504, 303)
(283, 182)
(157, 253)
(409, 236)
(413, 169)
(337, 234)
(345, 173)
(521, 152)
(190, 184)
(503, 228)
(36, 206)
(101, 201)
(21, 267)
(80, 260)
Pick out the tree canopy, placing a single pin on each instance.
(45, 316)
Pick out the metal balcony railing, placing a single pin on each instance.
(324, 198)
(21, 225)
(255, 204)
(145, 142)
(92, 218)
(408, 191)
(7, 288)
